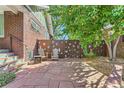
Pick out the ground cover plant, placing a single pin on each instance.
(6, 77)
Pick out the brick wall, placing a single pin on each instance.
(19, 25)
(30, 35)
(13, 24)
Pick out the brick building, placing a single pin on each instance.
(21, 27)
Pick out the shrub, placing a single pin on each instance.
(5, 78)
(90, 55)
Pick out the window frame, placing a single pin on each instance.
(2, 34)
(35, 26)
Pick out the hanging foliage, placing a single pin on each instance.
(86, 23)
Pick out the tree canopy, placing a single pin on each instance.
(85, 23)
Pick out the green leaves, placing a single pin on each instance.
(84, 23)
(5, 78)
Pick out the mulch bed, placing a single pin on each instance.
(102, 66)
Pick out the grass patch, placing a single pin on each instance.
(7, 77)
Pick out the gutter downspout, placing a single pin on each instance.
(49, 25)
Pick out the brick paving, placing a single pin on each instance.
(65, 73)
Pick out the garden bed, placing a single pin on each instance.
(102, 66)
(7, 77)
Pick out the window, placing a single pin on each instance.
(41, 17)
(35, 26)
(1, 25)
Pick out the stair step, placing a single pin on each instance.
(4, 50)
(7, 54)
(8, 59)
(12, 58)
(4, 55)
(2, 60)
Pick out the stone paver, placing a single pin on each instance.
(54, 83)
(66, 84)
(65, 73)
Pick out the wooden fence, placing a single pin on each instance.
(69, 48)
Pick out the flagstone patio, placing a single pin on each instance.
(65, 73)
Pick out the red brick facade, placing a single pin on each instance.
(30, 36)
(13, 25)
(24, 37)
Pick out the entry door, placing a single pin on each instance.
(1, 25)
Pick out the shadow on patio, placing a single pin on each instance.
(65, 73)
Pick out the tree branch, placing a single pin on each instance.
(109, 49)
(115, 48)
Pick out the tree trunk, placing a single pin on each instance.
(109, 50)
(112, 52)
(115, 48)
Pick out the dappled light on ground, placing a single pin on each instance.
(65, 73)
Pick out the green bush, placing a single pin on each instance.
(90, 55)
(5, 78)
